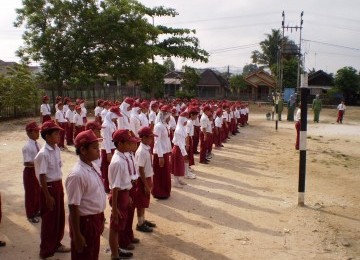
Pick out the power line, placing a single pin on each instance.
(332, 45)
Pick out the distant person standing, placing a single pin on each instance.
(316, 107)
(297, 126)
(291, 107)
(45, 110)
(280, 107)
(341, 111)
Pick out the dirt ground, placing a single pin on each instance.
(242, 206)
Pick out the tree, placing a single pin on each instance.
(347, 81)
(190, 80)
(18, 88)
(79, 39)
(237, 83)
(151, 79)
(169, 65)
(249, 68)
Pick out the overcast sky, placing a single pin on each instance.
(231, 29)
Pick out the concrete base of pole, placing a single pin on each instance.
(301, 199)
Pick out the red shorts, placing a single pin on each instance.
(143, 200)
(123, 204)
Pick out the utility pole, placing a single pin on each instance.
(283, 52)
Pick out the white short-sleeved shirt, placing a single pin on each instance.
(218, 121)
(152, 117)
(70, 116)
(65, 108)
(48, 162)
(124, 121)
(97, 111)
(135, 124)
(172, 123)
(144, 120)
(204, 121)
(143, 159)
(78, 120)
(60, 116)
(103, 113)
(45, 109)
(190, 127)
(162, 144)
(119, 175)
(85, 189)
(341, 107)
(30, 150)
(106, 132)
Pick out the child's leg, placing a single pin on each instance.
(114, 243)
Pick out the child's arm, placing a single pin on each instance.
(143, 178)
(79, 239)
(115, 211)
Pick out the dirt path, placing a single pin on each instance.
(241, 206)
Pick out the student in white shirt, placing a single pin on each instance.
(143, 163)
(120, 185)
(154, 109)
(179, 155)
(48, 170)
(161, 160)
(98, 109)
(45, 110)
(86, 199)
(107, 146)
(341, 111)
(79, 125)
(204, 138)
(143, 115)
(70, 124)
(62, 122)
(31, 184)
(125, 109)
(135, 121)
(105, 110)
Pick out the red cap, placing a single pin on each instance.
(193, 110)
(115, 110)
(32, 126)
(146, 131)
(154, 105)
(106, 103)
(45, 98)
(165, 108)
(86, 137)
(50, 125)
(124, 135)
(206, 108)
(71, 104)
(173, 110)
(130, 101)
(60, 103)
(219, 111)
(144, 104)
(100, 101)
(58, 98)
(184, 114)
(78, 107)
(93, 125)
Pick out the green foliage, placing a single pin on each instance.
(332, 96)
(151, 79)
(185, 95)
(76, 40)
(18, 88)
(347, 81)
(190, 80)
(237, 83)
(169, 65)
(249, 68)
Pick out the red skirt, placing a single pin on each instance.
(190, 152)
(162, 178)
(177, 162)
(70, 134)
(122, 204)
(62, 134)
(91, 227)
(142, 199)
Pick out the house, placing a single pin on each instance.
(320, 82)
(260, 84)
(4, 65)
(172, 83)
(212, 85)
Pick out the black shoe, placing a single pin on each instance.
(144, 228)
(205, 162)
(124, 254)
(2, 243)
(150, 224)
(33, 220)
(135, 240)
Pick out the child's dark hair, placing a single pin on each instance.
(48, 132)
(193, 113)
(117, 143)
(86, 146)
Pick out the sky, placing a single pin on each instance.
(231, 29)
